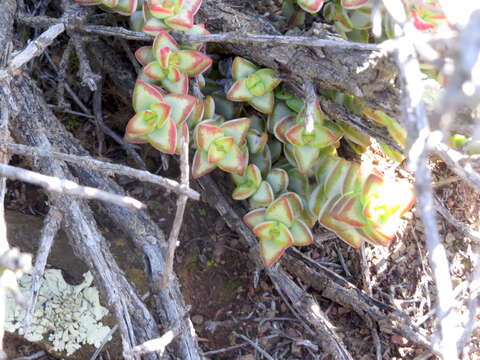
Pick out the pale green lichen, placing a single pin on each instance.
(69, 316)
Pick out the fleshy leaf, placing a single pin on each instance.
(176, 87)
(310, 6)
(162, 40)
(164, 139)
(159, 11)
(145, 95)
(239, 91)
(254, 217)
(294, 135)
(155, 71)
(142, 123)
(235, 162)
(209, 104)
(281, 127)
(305, 156)
(206, 133)
(269, 78)
(200, 165)
(280, 210)
(295, 202)
(241, 68)
(192, 62)
(278, 179)
(262, 197)
(256, 140)
(280, 112)
(181, 21)
(144, 55)
(126, 7)
(181, 105)
(301, 234)
(274, 239)
(264, 103)
(237, 128)
(219, 148)
(354, 4)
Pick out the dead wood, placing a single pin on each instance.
(136, 224)
(302, 302)
(329, 68)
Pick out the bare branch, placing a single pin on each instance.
(67, 187)
(177, 222)
(33, 49)
(94, 164)
(88, 77)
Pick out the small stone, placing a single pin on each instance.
(399, 340)
(197, 319)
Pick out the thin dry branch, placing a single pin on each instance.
(67, 187)
(109, 168)
(33, 49)
(181, 205)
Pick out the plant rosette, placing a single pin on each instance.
(166, 63)
(122, 7)
(162, 15)
(357, 203)
(278, 227)
(160, 119)
(253, 85)
(221, 145)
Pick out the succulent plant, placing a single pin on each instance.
(279, 226)
(221, 145)
(251, 185)
(159, 118)
(358, 204)
(166, 63)
(162, 15)
(122, 7)
(310, 6)
(253, 85)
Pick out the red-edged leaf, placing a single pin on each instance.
(176, 87)
(310, 6)
(256, 140)
(197, 114)
(219, 148)
(182, 106)
(239, 91)
(162, 112)
(144, 55)
(262, 197)
(153, 26)
(160, 12)
(145, 95)
(142, 123)
(135, 139)
(164, 40)
(302, 236)
(155, 71)
(237, 128)
(275, 238)
(295, 201)
(264, 103)
(305, 157)
(192, 62)
(294, 134)
(354, 4)
(241, 68)
(88, 2)
(281, 127)
(206, 133)
(235, 162)
(353, 237)
(192, 5)
(280, 210)
(269, 78)
(200, 165)
(278, 179)
(181, 21)
(126, 7)
(164, 139)
(349, 210)
(254, 217)
(209, 104)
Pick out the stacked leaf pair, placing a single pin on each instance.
(357, 203)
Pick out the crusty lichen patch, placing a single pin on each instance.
(68, 316)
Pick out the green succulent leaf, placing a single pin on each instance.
(241, 68)
(262, 197)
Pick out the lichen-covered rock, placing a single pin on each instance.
(68, 316)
